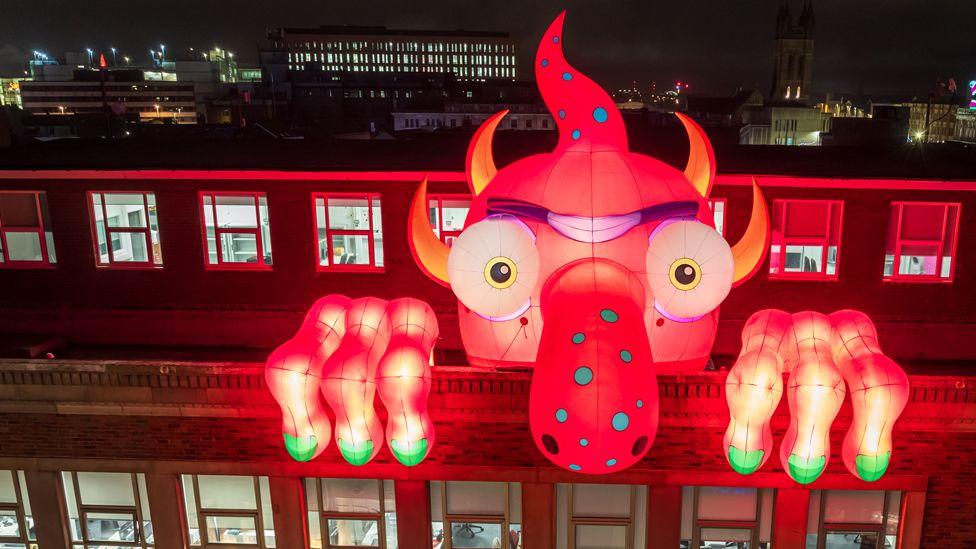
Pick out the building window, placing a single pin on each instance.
(107, 509)
(723, 516)
(353, 513)
(126, 229)
(236, 230)
(228, 510)
(805, 239)
(853, 518)
(25, 230)
(921, 243)
(610, 516)
(476, 514)
(349, 232)
(447, 215)
(718, 207)
(16, 520)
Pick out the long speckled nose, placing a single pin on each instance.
(593, 404)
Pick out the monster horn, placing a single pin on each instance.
(480, 164)
(428, 251)
(750, 251)
(700, 170)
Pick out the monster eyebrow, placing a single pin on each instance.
(591, 229)
(528, 210)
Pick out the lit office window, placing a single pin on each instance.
(805, 239)
(16, 520)
(126, 229)
(236, 230)
(722, 516)
(107, 509)
(349, 231)
(476, 514)
(25, 230)
(353, 512)
(608, 516)
(447, 215)
(921, 244)
(224, 509)
(718, 206)
(853, 519)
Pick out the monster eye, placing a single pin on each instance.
(493, 267)
(689, 269)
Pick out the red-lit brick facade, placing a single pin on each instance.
(136, 385)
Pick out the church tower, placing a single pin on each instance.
(793, 68)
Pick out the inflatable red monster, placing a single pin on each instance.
(596, 267)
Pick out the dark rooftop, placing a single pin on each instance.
(383, 31)
(445, 151)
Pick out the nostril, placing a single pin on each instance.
(639, 446)
(550, 444)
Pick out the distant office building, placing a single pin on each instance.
(932, 121)
(793, 67)
(965, 125)
(121, 93)
(794, 125)
(465, 54)
(10, 92)
(532, 117)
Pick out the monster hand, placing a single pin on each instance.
(820, 353)
(347, 349)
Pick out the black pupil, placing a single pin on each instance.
(500, 272)
(685, 273)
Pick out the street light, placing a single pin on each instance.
(127, 59)
(114, 61)
(162, 52)
(62, 108)
(91, 60)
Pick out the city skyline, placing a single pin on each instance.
(859, 47)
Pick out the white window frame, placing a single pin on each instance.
(21, 509)
(84, 509)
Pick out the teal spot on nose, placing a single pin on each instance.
(600, 114)
(609, 315)
(626, 356)
(640, 403)
(561, 415)
(611, 462)
(567, 76)
(620, 421)
(584, 442)
(583, 375)
(575, 467)
(579, 337)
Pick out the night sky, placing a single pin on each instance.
(877, 46)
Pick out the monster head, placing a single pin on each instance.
(592, 264)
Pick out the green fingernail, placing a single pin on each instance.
(356, 453)
(806, 470)
(409, 453)
(301, 448)
(871, 468)
(743, 462)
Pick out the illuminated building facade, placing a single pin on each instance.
(135, 328)
(120, 93)
(466, 55)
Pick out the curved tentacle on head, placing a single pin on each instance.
(585, 114)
